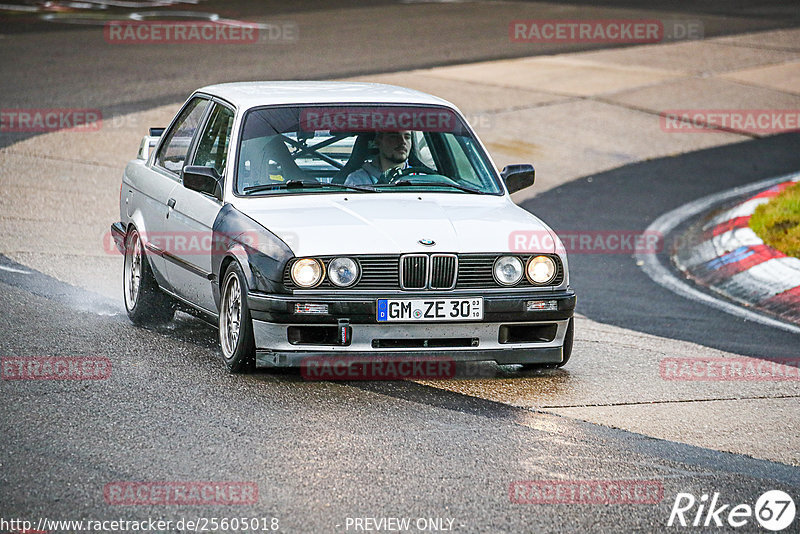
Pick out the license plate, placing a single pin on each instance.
(430, 310)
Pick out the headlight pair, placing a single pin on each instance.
(509, 270)
(309, 272)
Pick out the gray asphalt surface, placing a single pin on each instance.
(614, 290)
(319, 452)
(50, 64)
(322, 452)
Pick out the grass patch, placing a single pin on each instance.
(778, 221)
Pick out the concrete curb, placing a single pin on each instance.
(727, 257)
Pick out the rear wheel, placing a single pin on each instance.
(235, 325)
(566, 352)
(145, 303)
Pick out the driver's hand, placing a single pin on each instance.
(391, 174)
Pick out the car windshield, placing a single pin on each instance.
(365, 149)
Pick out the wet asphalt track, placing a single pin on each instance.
(320, 452)
(614, 290)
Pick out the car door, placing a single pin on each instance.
(193, 214)
(160, 178)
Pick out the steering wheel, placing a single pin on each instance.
(396, 174)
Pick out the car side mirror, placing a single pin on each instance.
(518, 176)
(202, 179)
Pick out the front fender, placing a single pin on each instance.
(261, 254)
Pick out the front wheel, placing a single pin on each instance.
(145, 303)
(235, 324)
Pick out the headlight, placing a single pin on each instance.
(343, 272)
(307, 272)
(508, 270)
(541, 269)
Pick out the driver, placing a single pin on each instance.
(393, 150)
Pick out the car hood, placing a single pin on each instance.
(334, 224)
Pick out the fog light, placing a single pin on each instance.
(538, 305)
(311, 309)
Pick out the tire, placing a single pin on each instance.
(566, 352)
(235, 325)
(145, 303)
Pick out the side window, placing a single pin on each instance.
(172, 154)
(212, 151)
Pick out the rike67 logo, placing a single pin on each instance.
(774, 510)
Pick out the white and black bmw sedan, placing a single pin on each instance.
(323, 219)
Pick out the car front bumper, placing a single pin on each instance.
(508, 334)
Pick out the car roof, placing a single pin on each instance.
(247, 95)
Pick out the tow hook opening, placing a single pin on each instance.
(527, 333)
(340, 335)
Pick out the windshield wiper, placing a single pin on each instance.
(299, 184)
(438, 184)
